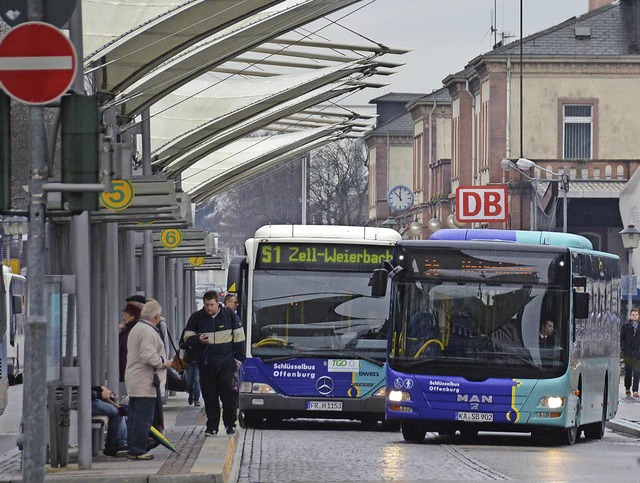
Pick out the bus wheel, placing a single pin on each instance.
(413, 432)
(249, 419)
(570, 435)
(596, 430)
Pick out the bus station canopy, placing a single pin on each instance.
(208, 74)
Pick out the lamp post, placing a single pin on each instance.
(434, 224)
(630, 240)
(414, 229)
(508, 165)
(524, 163)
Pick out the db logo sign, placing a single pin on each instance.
(481, 203)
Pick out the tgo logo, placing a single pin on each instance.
(324, 385)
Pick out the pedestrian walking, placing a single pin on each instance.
(630, 347)
(218, 332)
(146, 372)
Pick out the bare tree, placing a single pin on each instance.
(338, 183)
(271, 196)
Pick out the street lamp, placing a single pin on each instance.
(630, 240)
(434, 224)
(508, 165)
(524, 163)
(414, 229)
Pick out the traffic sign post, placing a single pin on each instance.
(37, 63)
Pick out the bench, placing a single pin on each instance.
(98, 424)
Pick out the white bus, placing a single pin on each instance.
(316, 339)
(13, 292)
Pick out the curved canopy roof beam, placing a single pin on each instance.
(128, 58)
(176, 164)
(242, 36)
(234, 102)
(239, 173)
(106, 20)
(246, 153)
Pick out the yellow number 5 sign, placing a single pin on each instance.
(120, 197)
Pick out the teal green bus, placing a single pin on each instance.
(498, 330)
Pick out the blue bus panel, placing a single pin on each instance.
(515, 236)
(309, 387)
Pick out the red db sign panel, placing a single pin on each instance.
(481, 204)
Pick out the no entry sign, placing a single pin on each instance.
(37, 63)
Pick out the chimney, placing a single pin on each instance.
(594, 4)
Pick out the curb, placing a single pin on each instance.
(624, 426)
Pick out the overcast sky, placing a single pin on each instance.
(446, 34)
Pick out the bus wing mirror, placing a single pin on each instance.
(378, 282)
(580, 305)
(17, 304)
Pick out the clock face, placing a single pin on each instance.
(400, 198)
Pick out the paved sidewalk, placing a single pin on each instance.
(199, 458)
(627, 420)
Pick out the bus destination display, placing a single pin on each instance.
(476, 264)
(319, 256)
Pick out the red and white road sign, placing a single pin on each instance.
(37, 63)
(481, 204)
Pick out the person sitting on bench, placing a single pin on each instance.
(103, 403)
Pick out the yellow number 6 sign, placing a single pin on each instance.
(171, 238)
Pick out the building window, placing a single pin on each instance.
(577, 131)
(417, 163)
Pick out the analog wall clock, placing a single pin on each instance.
(400, 198)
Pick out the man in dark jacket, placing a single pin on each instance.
(630, 347)
(219, 333)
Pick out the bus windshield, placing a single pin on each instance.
(304, 313)
(467, 311)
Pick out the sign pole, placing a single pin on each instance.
(81, 234)
(35, 382)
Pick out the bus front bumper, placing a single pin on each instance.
(287, 407)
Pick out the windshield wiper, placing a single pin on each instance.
(269, 360)
(419, 362)
(308, 355)
(511, 355)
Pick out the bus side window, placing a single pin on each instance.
(17, 304)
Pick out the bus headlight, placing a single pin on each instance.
(382, 392)
(552, 402)
(397, 396)
(256, 388)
